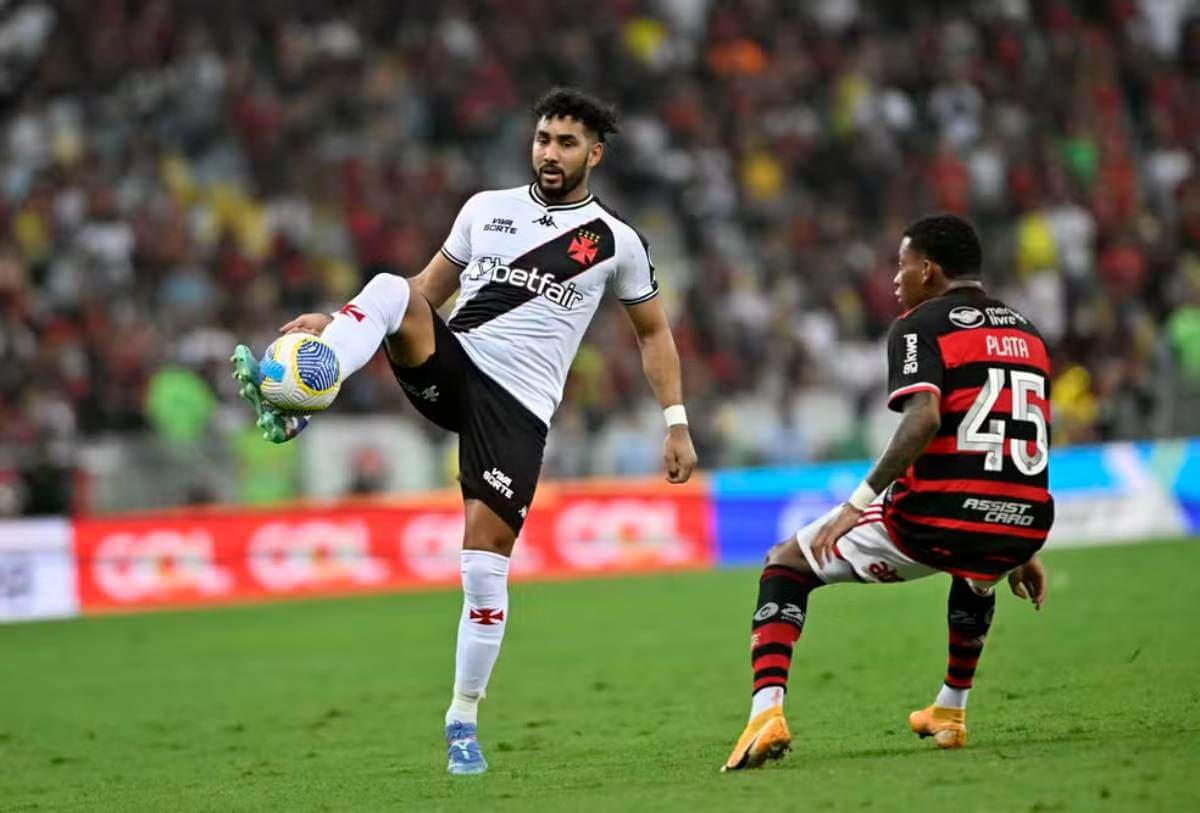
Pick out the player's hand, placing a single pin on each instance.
(833, 530)
(679, 455)
(313, 323)
(1029, 581)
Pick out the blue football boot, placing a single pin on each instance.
(462, 748)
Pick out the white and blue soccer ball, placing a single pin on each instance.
(300, 373)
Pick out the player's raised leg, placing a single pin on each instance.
(384, 308)
(486, 550)
(361, 325)
(969, 612)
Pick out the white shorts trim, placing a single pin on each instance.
(865, 553)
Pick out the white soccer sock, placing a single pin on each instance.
(764, 699)
(951, 698)
(358, 329)
(480, 630)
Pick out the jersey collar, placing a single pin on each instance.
(557, 207)
(975, 290)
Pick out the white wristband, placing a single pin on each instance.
(675, 414)
(863, 496)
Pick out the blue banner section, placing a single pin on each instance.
(1178, 463)
(756, 508)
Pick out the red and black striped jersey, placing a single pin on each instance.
(976, 502)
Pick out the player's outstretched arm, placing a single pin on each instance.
(919, 424)
(660, 363)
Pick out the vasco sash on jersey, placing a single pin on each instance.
(532, 276)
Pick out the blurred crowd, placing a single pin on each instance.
(178, 177)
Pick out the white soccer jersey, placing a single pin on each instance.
(533, 274)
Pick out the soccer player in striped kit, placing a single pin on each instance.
(961, 488)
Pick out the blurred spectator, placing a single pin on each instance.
(1184, 330)
(369, 472)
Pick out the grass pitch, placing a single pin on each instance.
(616, 695)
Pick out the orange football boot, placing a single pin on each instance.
(766, 737)
(948, 727)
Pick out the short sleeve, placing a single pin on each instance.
(635, 282)
(914, 363)
(457, 248)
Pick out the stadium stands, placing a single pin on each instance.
(176, 177)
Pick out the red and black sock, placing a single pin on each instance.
(969, 615)
(778, 621)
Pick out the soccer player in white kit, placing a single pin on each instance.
(530, 264)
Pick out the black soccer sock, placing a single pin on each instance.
(778, 622)
(969, 616)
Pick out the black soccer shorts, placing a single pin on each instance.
(500, 441)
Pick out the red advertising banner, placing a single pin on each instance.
(216, 556)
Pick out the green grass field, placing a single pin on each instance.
(616, 695)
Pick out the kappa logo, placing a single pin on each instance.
(547, 221)
(966, 317)
(584, 246)
(524, 512)
(350, 309)
(486, 616)
(429, 394)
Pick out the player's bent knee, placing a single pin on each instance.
(982, 588)
(386, 297)
(385, 283)
(501, 544)
(788, 554)
(413, 342)
(486, 531)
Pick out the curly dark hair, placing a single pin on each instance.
(594, 114)
(949, 241)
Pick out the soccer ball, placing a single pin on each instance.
(300, 373)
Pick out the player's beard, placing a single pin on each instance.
(568, 185)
